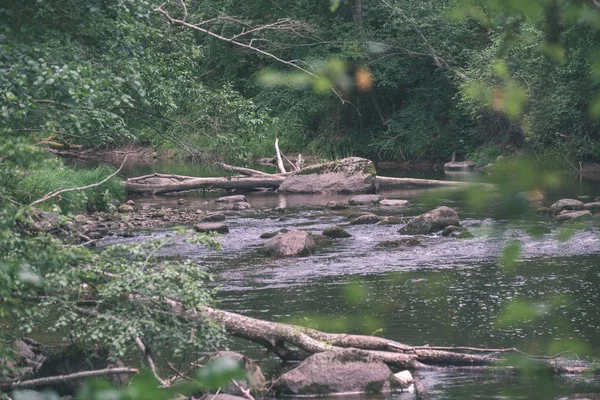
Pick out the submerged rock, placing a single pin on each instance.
(394, 203)
(365, 199)
(292, 243)
(460, 166)
(538, 230)
(542, 211)
(337, 372)
(335, 232)
(457, 232)
(566, 204)
(406, 242)
(232, 199)
(336, 205)
(432, 221)
(269, 235)
(365, 219)
(350, 175)
(206, 227)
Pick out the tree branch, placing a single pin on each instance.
(233, 40)
(63, 378)
(77, 189)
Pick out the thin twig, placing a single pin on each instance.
(150, 361)
(76, 189)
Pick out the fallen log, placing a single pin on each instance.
(253, 179)
(292, 342)
(157, 183)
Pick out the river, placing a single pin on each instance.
(447, 292)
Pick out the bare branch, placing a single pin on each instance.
(76, 189)
(150, 361)
(63, 378)
(247, 46)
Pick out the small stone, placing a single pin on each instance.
(216, 217)
(365, 219)
(365, 199)
(336, 205)
(181, 201)
(95, 235)
(232, 199)
(280, 210)
(335, 232)
(206, 227)
(394, 203)
(126, 208)
(241, 205)
(450, 229)
(584, 198)
(130, 203)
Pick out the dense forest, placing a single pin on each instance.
(379, 79)
(206, 81)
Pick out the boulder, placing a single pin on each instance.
(365, 199)
(255, 379)
(350, 175)
(241, 205)
(335, 232)
(593, 206)
(566, 204)
(206, 227)
(232, 199)
(567, 215)
(336, 205)
(365, 219)
(337, 372)
(394, 203)
(216, 217)
(292, 243)
(432, 221)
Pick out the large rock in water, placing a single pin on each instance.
(350, 175)
(336, 372)
(566, 204)
(432, 221)
(292, 243)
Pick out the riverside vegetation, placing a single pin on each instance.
(211, 80)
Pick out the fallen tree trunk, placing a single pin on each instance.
(159, 183)
(252, 179)
(292, 342)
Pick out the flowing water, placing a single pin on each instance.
(447, 292)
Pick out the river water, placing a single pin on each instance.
(447, 292)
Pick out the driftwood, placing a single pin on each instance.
(65, 378)
(253, 179)
(292, 342)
